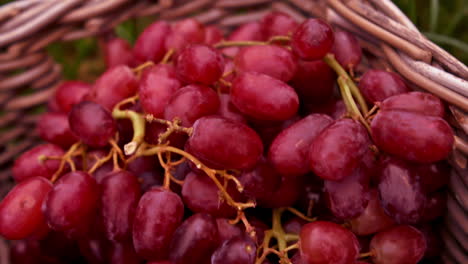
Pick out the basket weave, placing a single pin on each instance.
(387, 36)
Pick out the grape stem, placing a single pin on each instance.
(227, 43)
(367, 254)
(167, 56)
(138, 123)
(74, 150)
(351, 106)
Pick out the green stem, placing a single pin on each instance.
(351, 106)
(291, 237)
(278, 230)
(225, 44)
(138, 123)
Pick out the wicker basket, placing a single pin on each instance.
(387, 36)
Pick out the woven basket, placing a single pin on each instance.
(387, 36)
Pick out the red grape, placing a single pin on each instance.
(157, 85)
(278, 24)
(158, 214)
(399, 244)
(338, 149)
(185, 32)
(262, 97)
(190, 103)
(297, 259)
(272, 60)
(208, 142)
(312, 39)
(29, 165)
(378, 85)
(92, 124)
(334, 108)
(200, 64)
(261, 181)
(226, 230)
(412, 136)
(326, 242)
(70, 93)
(289, 151)
(213, 35)
(248, 31)
(150, 45)
(373, 219)
(434, 176)
(142, 164)
(417, 102)
(119, 199)
(228, 110)
(286, 195)
(123, 253)
(113, 86)
(72, 203)
(347, 50)
(195, 240)
(268, 130)
(54, 128)
(238, 250)
(20, 210)
(118, 51)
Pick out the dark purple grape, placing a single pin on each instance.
(238, 250)
(286, 195)
(312, 39)
(213, 35)
(119, 199)
(71, 205)
(226, 230)
(412, 136)
(349, 197)
(150, 179)
(261, 181)
(29, 165)
(314, 81)
(401, 191)
(92, 124)
(297, 259)
(347, 50)
(54, 128)
(378, 85)
(25, 252)
(195, 240)
(94, 250)
(294, 225)
(434, 176)
(327, 242)
(262, 97)
(435, 206)
(157, 86)
(200, 64)
(373, 219)
(271, 60)
(142, 164)
(150, 45)
(113, 86)
(278, 24)
(158, 214)
(117, 51)
(337, 151)
(417, 102)
(186, 31)
(228, 110)
(399, 244)
(289, 151)
(434, 243)
(20, 211)
(190, 103)
(208, 143)
(70, 93)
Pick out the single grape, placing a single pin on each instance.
(378, 85)
(399, 244)
(70, 93)
(29, 165)
(54, 128)
(226, 230)
(208, 142)
(157, 85)
(294, 225)
(201, 195)
(158, 214)
(435, 206)
(191, 102)
(20, 210)
(286, 195)
(247, 31)
(119, 199)
(185, 32)
(401, 191)
(347, 50)
(261, 181)
(289, 151)
(228, 110)
(200, 64)
(262, 97)
(314, 81)
(92, 124)
(278, 24)
(349, 197)
(338, 149)
(71, 205)
(213, 35)
(326, 242)
(150, 179)
(417, 102)
(412, 136)
(274, 61)
(150, 45)
(113, 86)
(142, 164)
(238, 250)
(312, 39)
(195, 240)
(373, 219)
(123, 253)
(117, 51)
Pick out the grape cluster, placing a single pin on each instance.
(271, 145)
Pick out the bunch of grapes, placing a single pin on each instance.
(271, 145)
